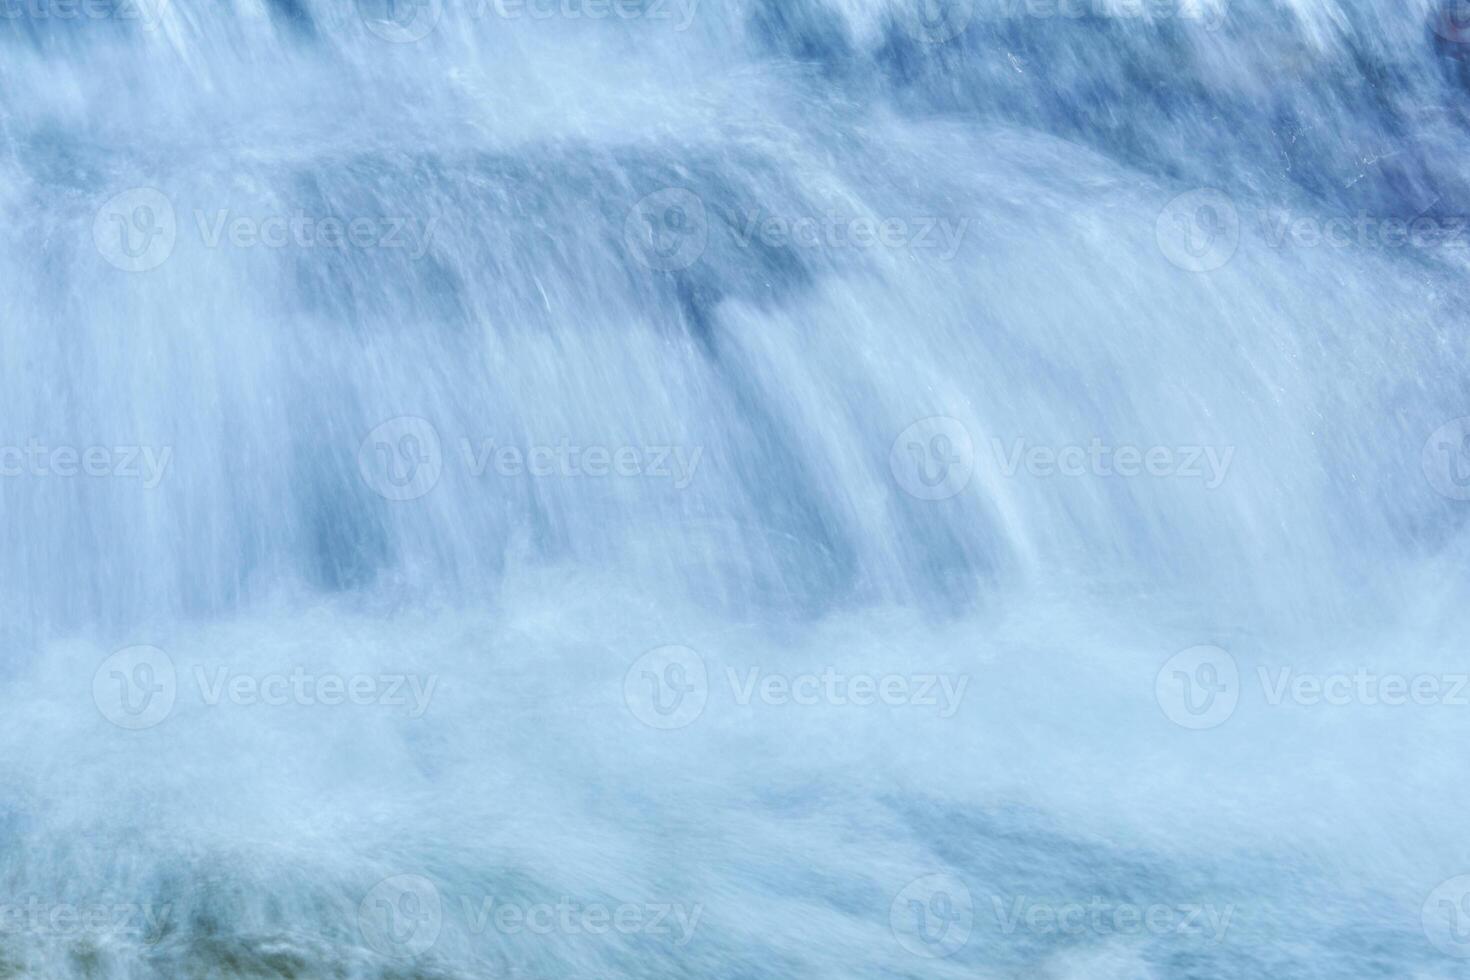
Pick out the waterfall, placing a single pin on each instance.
(658, 488)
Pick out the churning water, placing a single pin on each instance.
(767, 488)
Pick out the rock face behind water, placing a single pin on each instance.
(852, 488)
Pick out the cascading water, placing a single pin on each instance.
(778, 488)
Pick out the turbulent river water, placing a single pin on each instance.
(773, 488)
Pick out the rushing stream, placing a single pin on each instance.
(571, 489)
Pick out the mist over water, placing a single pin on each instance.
(823, 488)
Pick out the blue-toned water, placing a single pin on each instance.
(779, 488)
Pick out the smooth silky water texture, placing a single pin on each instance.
(525, 309)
